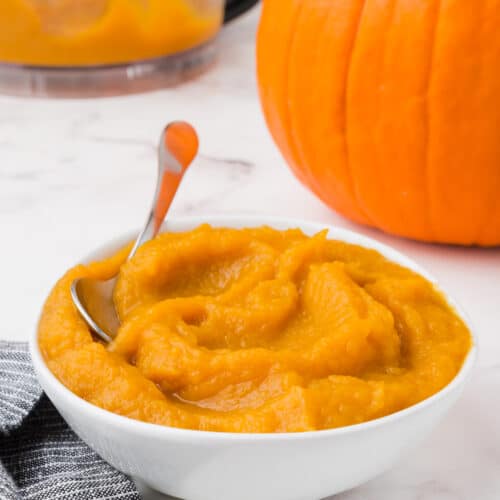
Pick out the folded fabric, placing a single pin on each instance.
(40, 456)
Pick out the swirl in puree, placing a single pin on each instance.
(256, 330)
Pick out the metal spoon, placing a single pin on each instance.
(94, 298)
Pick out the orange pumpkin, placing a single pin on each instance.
(389, 110)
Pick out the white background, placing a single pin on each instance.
(76, 173)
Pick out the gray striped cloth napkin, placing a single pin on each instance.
(40, 456)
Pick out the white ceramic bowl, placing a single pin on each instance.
(199, 465)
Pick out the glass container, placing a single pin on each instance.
(104, 47)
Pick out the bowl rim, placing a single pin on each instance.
(157, 430)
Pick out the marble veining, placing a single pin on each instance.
(76, 173)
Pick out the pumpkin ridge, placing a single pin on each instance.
(287, 119)
(381, 80)
(382, 84)
(314, 184)
(322, 186)
(427, 121)
(273, 105)
(286, 107)
(352, 180)
(494, 205)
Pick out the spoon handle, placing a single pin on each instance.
(177, 149)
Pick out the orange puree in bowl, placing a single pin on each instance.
(89, 32)
(256, 330)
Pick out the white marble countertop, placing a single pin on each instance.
(76, 173)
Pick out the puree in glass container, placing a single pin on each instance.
(92, 32)
(256, 330)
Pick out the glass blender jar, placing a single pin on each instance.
(106, 47)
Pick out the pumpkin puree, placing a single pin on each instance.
(89, 32)
(256, 330)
